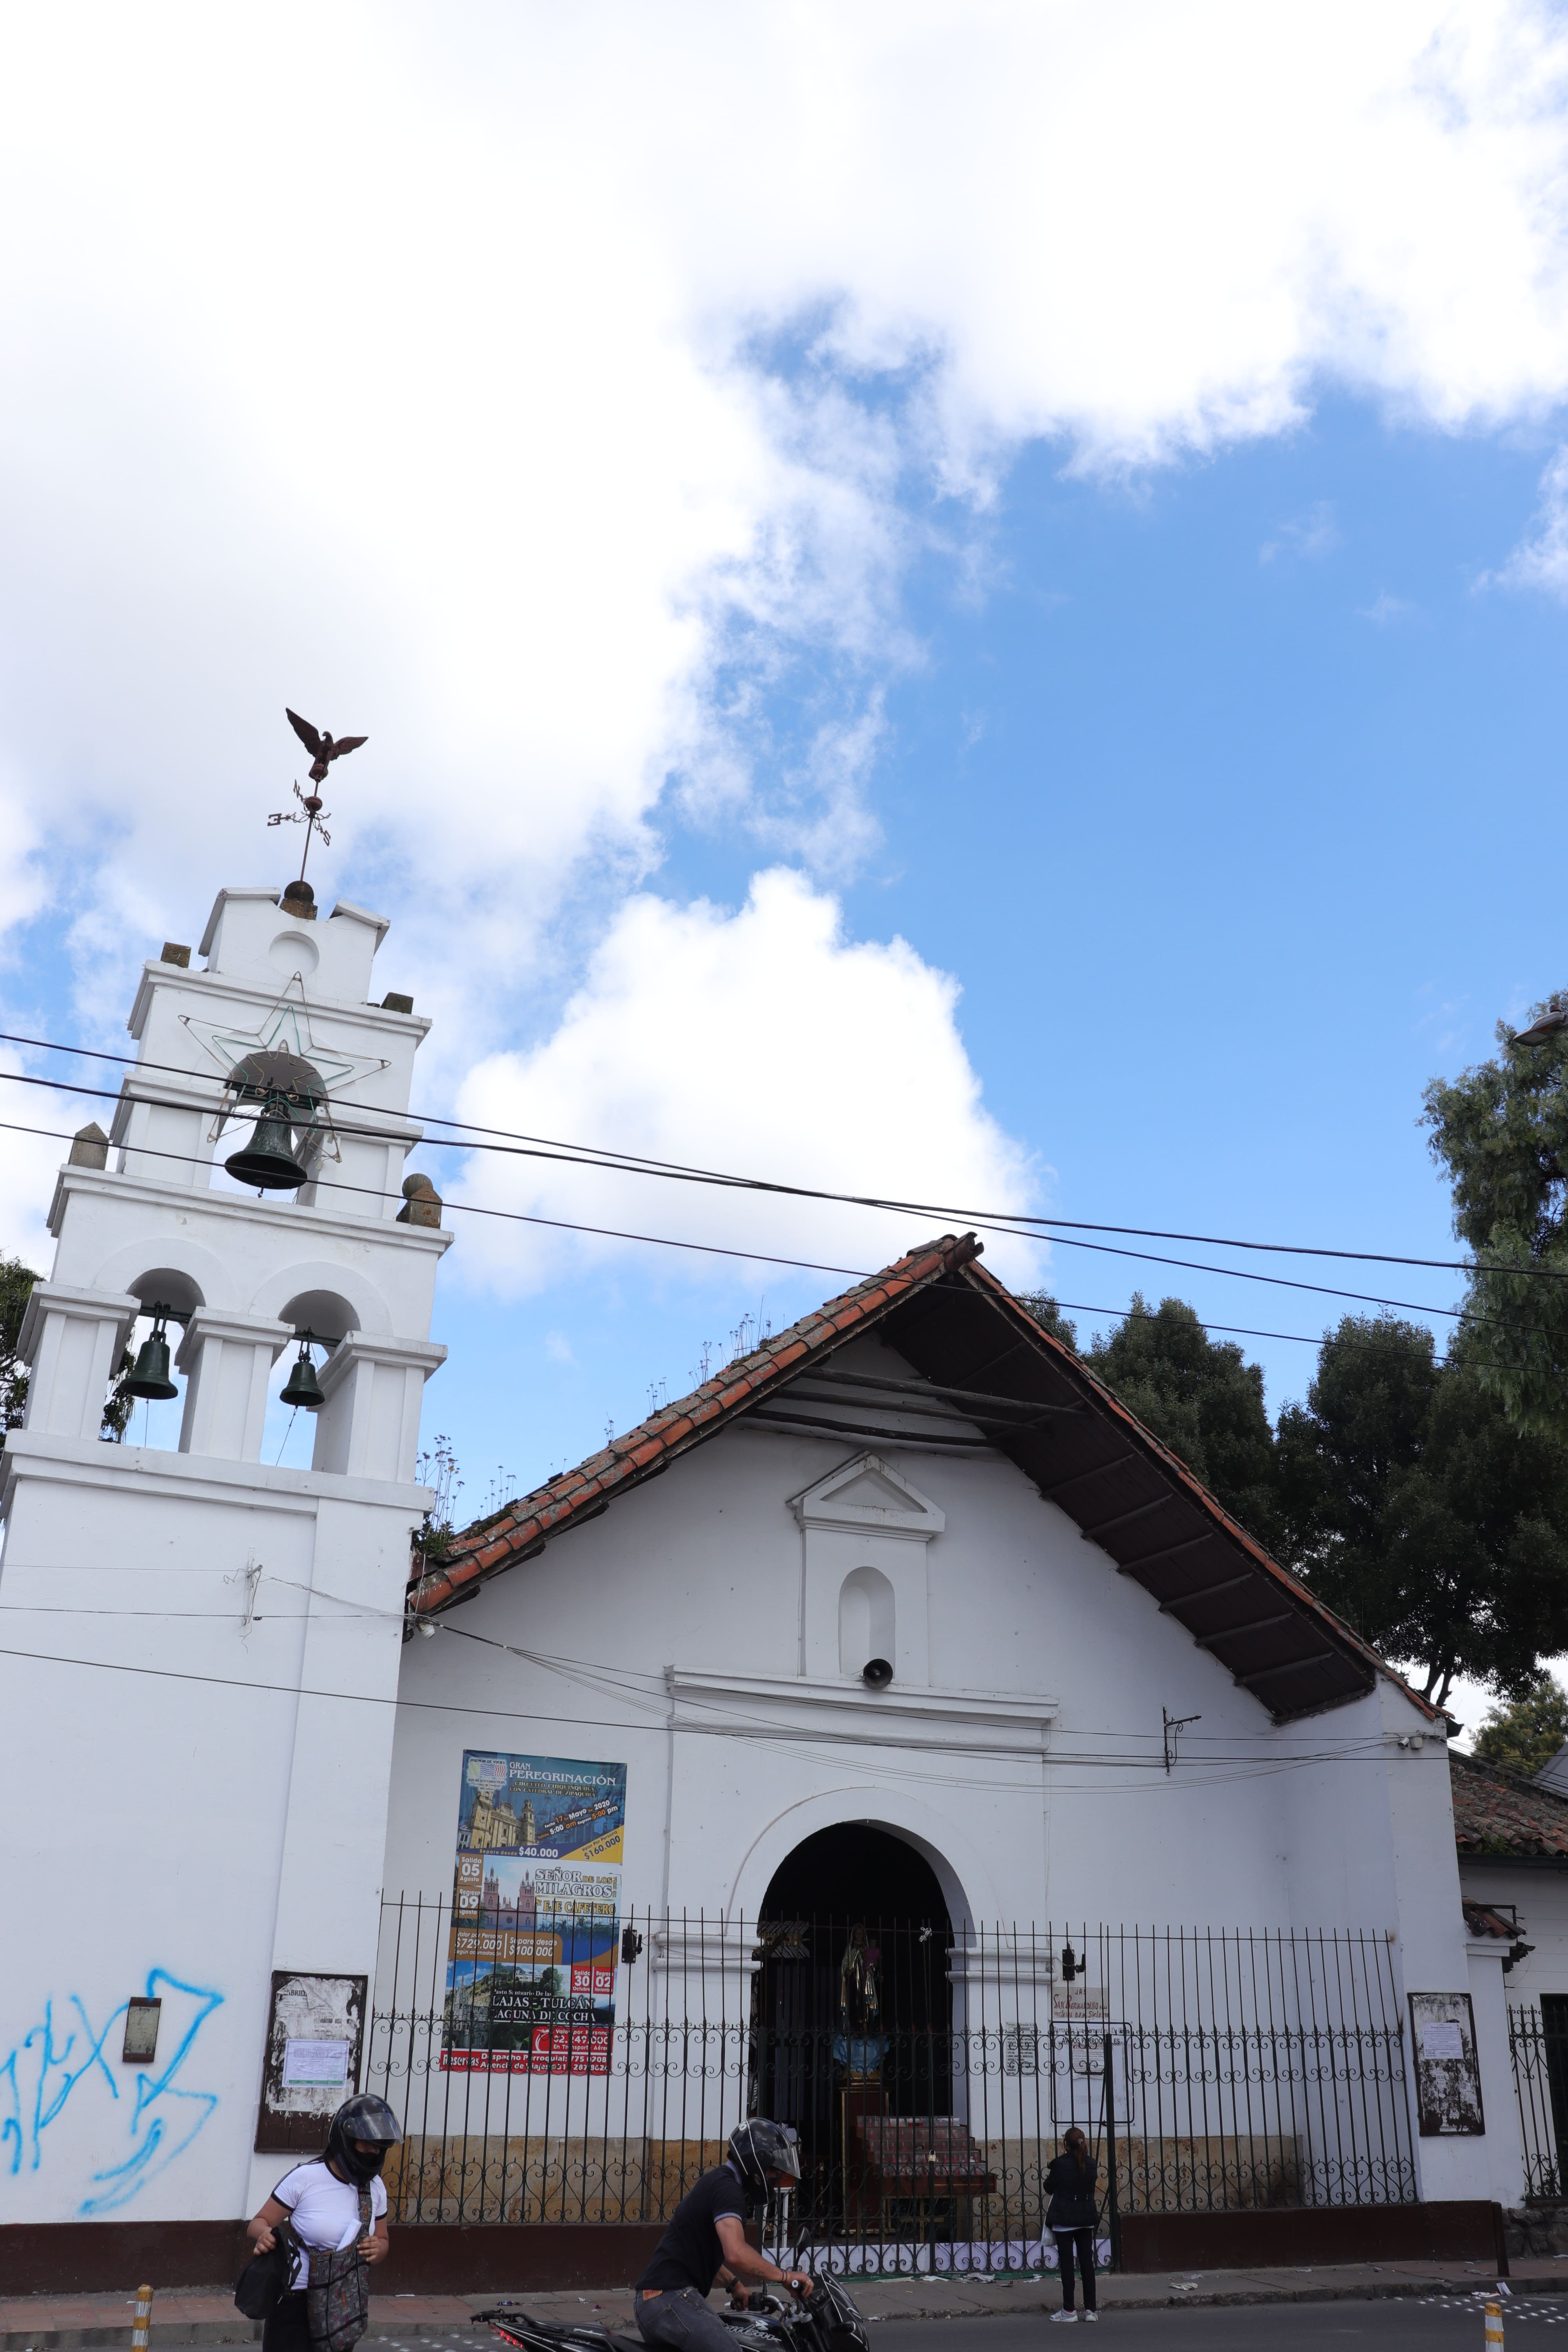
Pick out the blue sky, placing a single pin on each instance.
(967, 604)
(1234, 801)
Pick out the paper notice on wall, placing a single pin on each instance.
(536, 1900)
(1442, 2039)
(314, 2066)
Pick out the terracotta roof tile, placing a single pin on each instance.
(484, 1549)
(1498, 1812)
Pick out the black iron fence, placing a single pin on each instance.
(1538, 2039)
(586, 2067)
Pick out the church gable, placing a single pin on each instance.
(967, 1374)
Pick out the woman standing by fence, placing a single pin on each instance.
(1071, 2217)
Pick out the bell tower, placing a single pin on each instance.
(199, 1648)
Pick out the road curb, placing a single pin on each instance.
(1118, 2293)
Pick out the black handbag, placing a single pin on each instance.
(265, 2276)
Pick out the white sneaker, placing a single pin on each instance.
(1091, 2315)
(1057, 2317)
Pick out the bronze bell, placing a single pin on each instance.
(267, 1161)
(150, 1376)
(303, 1387)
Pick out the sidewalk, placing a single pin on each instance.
(208, 2315)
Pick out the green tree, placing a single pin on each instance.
(1203, 1399)
(1044, 1311)
(1527, 1735)
(1501, 1131)
(17, 1282)
(1421, 1514)
(1199, 1397)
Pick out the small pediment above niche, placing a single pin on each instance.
(867, 1491)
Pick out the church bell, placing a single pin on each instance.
(303, 1387)
(149, 1375)
(268, 1161)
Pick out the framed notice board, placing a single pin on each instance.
(311, 2062)
(1447, 2078)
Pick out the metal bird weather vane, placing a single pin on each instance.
(323, 749)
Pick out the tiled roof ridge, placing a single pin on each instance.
(1299, 1592)
(581, 1492)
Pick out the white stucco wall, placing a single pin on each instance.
(183, 1814)
(695, 1599)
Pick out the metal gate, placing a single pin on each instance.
(590, 2070)
(1538, 2040)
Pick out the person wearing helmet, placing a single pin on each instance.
(707, 2240)
(323, 2202)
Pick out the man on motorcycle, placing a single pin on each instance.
(707, 2240)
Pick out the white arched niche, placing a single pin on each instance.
(868, 1620)
(865, 1532)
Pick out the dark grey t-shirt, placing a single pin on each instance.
(689, 2253)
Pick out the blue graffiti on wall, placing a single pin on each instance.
(64, 2049)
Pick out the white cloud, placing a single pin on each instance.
(423, 368)
(543, 390)
(761, 1043)
(1541, 560)
(1312, 534)
(34, 1141)
(1385, 609)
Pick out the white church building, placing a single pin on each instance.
(892, 1736)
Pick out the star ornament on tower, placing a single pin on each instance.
(280, 1065)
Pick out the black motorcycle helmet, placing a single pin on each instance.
(760, 2150)
(364, 2117)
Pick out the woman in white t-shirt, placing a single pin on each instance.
(321, 2199)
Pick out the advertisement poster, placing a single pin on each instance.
(536, 1900)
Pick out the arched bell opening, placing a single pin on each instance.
(319, 1319)
(852, 2015)
(146, 1399)
(325, 1314)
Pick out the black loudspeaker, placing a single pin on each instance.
(878, 1673)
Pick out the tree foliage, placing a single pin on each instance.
(1501, 1131)
(1526, 1735)
(1402, 1491)
(1044, 1311)
(1420, 1512)
(1201, 1398)
(17, 1282)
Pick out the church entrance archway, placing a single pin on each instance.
(852, 2008)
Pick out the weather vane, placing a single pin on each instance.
(323, 749)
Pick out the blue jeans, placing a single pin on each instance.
(681, 2321)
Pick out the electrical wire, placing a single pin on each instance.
(514, 1143)
(827, 1746)
(761, 1257)
(813, 1265)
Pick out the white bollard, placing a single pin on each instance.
(1494, 2328)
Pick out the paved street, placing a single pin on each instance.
(1440, 2322)
(1389, 2323)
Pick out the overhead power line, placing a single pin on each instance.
(514, 1143)
(758, 1257)
(1011, 1229)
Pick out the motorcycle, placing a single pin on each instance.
(774, 2319)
